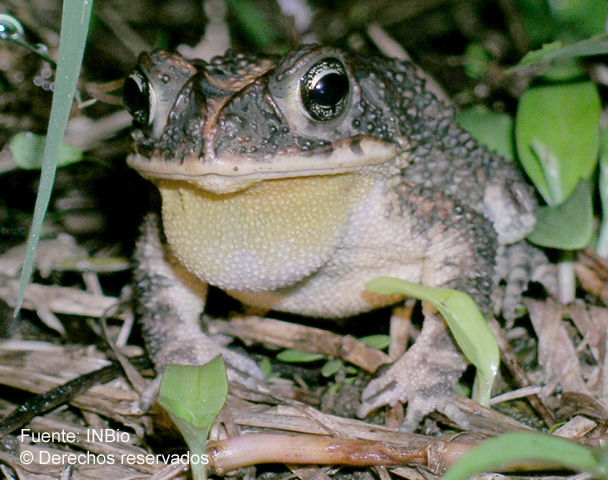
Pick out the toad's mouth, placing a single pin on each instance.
(226, 173)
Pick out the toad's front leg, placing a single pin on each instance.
(170, 302)
(460, 250)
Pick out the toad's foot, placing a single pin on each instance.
(169, 304)
(424, 377)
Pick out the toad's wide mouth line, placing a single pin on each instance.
(151, 169)
(226, 184)
(233, 168)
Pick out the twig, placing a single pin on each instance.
(509, 357)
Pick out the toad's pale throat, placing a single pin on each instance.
(269, 235)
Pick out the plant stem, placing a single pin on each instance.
(245, 450)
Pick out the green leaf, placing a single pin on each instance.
(477, 60)
(493, 129)
(564, 71)
(557, 127)
(267, 369)
(74, 28)
(580, 18)
(542, 54)
(195, 393)
(550, 166)
(558, 51)
(27, 149)
(602, 242)
(334, 388)
(253, 22)
(513, 448)
(332, 367)
(292, 355)
(568, 226)
(193, 396)
(465, 321)
(377, 341)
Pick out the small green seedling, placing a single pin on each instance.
(193, 396)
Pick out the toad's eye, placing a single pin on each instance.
(139, 98)
(324, 89)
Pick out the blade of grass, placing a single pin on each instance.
(74, 28)
(557, 51)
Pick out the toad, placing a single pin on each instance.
(290, 182)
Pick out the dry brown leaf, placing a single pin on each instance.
(556, 353)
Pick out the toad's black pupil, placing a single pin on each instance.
(329, 90)
(324, 90)
(136, 101)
